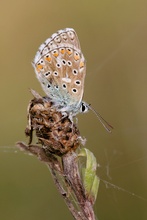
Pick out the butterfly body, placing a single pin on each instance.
(60, 68)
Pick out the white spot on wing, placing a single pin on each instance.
(67, 80)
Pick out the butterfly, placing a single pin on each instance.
(61, 68)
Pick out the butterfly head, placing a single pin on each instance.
(84, 107)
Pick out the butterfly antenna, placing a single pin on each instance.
(106, 125)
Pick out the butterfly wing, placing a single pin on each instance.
(60, 67)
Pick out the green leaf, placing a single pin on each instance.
(89, 177)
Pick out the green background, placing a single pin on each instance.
(113, 36)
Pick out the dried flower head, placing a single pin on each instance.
(56, 133)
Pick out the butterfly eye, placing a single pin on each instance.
(84, 108)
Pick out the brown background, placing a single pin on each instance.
(113, 36)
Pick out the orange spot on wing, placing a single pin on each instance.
(62, 51)
(48, 58)
(76, 57)
(81, 64)
(55, 54)
(39, 67)
(69, 52)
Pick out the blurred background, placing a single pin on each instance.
(113, 37)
